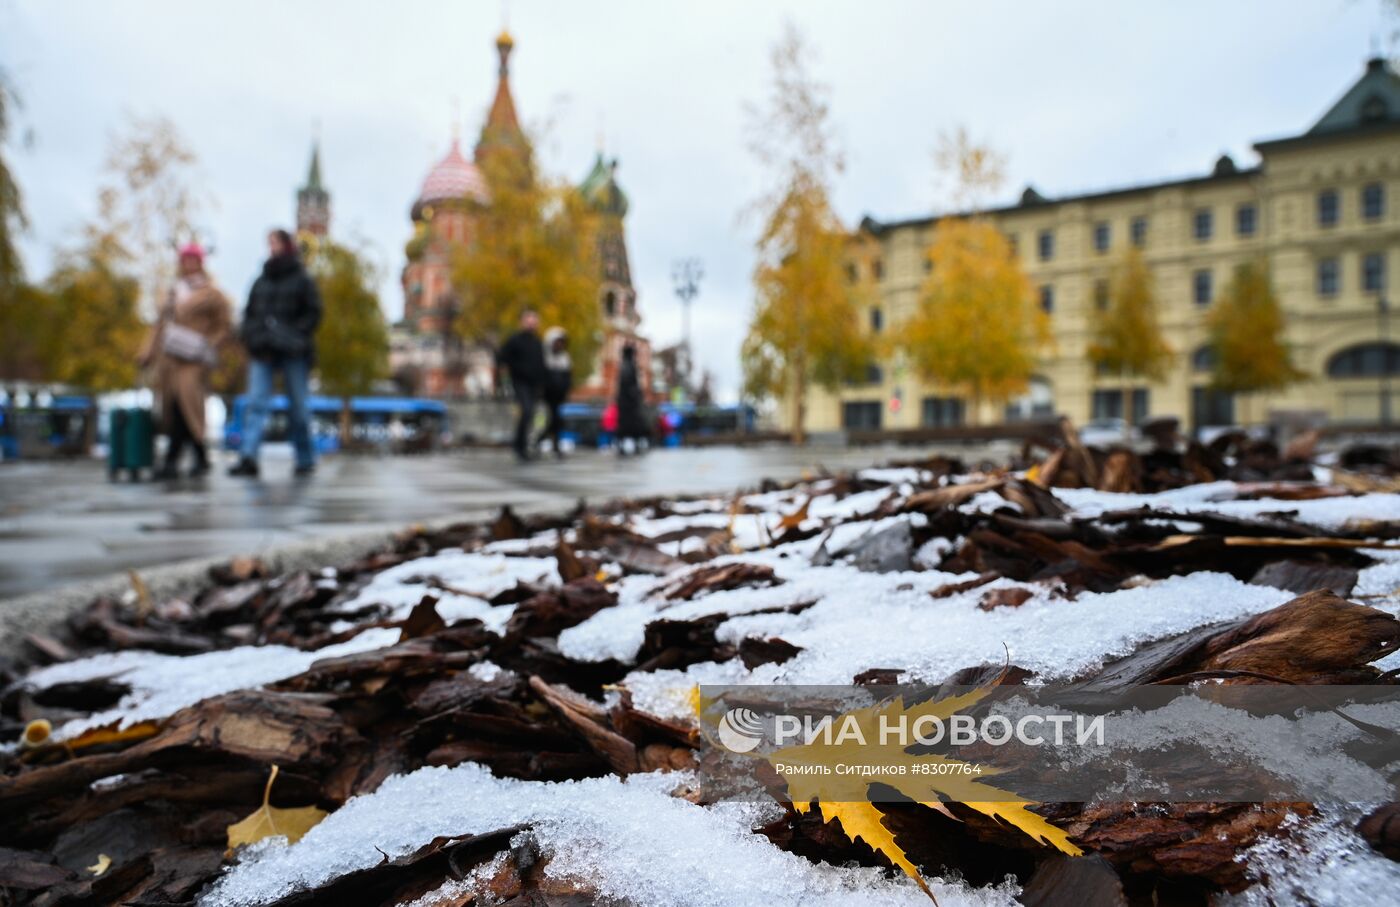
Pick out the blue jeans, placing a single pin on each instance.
(296, 378)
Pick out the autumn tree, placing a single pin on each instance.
(976, 328)
(805, 327)
(971, 170)
(533, 247)
(1246, 333)
(12, 219)
(1127, 338)
(352, 342)
(149, 200)
(92, 330)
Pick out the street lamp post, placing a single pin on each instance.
(685, 276)
(1383, 328)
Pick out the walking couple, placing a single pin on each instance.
(541, 371)
(278, 331)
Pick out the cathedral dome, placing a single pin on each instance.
(454, 178)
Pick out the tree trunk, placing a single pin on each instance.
(1127, 404)
(344, 423)
(799, 407)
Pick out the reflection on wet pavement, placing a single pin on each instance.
(64, 521)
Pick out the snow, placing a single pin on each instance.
(474, 578)
(629, 839)
(1321, 862)
(161, 685)
(1218, 497)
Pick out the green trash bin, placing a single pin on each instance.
(131, 445)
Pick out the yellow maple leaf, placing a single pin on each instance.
(846, 796)
(267, 821)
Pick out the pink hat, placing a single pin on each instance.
(192, 250)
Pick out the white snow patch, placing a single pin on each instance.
(161, 685)
(628, 839)
(475, 577)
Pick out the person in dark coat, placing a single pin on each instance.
(522, 356)
(558, 381)
(632, 428)
(279, 332)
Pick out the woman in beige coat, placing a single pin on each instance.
(195, 323)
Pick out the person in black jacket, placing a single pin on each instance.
(558, 381)
(279, 331)
(632, 428)
(522, 356)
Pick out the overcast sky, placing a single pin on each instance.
(1078, 95)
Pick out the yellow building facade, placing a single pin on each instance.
(1321, 209)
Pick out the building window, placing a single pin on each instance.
(1045, 242)
(1101, 236)
(878, 269)
(1203, 359)
(1211, 407)
(1202, 225)
(1101, 295)
(1245, 220)
(1047, 298)
(1014, 242)
(928, 265)
(1365, 360)
(877, 319)
(1327, 208)
(853, 273)
(1373, 272)
(861, 415)
(1139, 231)
(942, 412)
(1108, 404)
(1373, 201)
(1201, 287)
(1328, 280)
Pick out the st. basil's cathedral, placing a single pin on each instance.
(428, 356)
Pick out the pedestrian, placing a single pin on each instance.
(194, 323)
(522, 356)
(632, 429)
(558, 381)
(279, 331)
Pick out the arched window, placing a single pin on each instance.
(610, 303)
(1365, 360)
(1203, 360)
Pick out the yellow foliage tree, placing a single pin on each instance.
(352, 342)
(805, 326)
(977, 328)
(93, 328)
(534, 248)
(1246, 332)
(1128, 338)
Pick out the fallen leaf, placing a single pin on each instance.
(103, 861)
(268, 820)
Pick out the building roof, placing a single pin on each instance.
(1371, 105)
(502, 126)
(600, 189)
(313, 174)
(1374, 98)
(454, 178)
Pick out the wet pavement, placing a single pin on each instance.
(64, 521)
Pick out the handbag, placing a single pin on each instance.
(185, 344)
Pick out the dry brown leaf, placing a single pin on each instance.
(144, 603)
(267, 821)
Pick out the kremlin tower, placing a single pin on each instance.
(313, 201)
